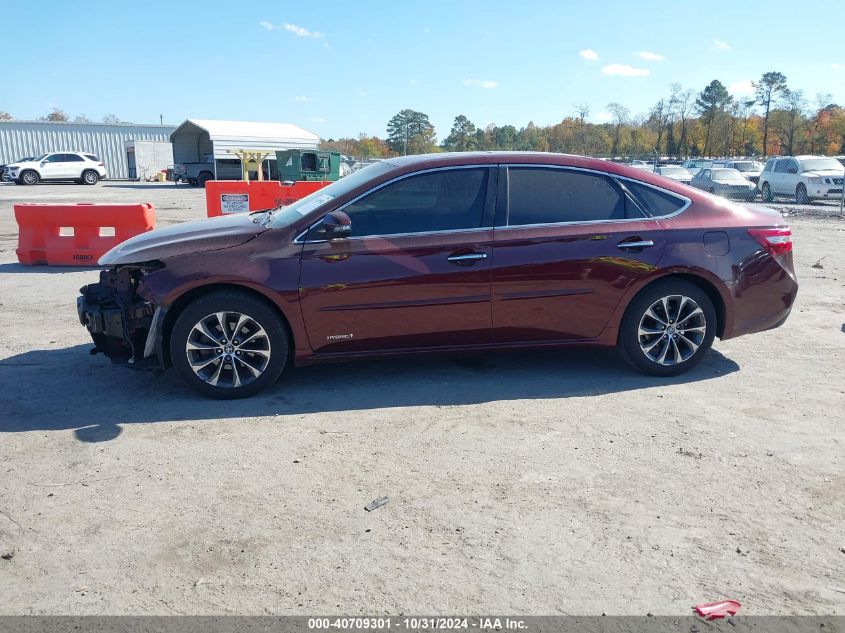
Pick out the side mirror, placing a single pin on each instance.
(336, 225)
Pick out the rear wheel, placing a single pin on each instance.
(668, 328)
(90, 177)
(766, 192)
(203, 178)
(801, 196)
(28, 177)
(229, 344)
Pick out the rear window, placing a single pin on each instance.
(92, 157)
(655, 201)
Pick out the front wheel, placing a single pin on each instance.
(229, 345)
(668, 328)
(28, 177)
(801, 196)
(766, 193)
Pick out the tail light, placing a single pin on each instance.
(101, 164)
(775, 241)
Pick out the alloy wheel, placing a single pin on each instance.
(90, 177)
(29, 178)
(228, 349)
(671, 330)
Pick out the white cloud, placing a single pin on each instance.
(481, 83)
(836, 66)
(589, 54)
(299, 31)
(625, 70)
(414, 82)
(742, 87)
(719, 45)
(317, 119)
(603, 117)
(361, 93)
(302, 99)
(650, 57)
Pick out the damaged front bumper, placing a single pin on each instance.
(123, 325)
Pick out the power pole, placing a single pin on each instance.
(161, 119)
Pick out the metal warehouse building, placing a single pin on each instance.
(32, 138)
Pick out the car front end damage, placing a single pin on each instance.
(124, 325)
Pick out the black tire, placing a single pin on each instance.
(273, 343)
(90, 177)
(203, 178)
(192, 182)
(766, 193)
(28, 177)
(629, 343)
(712, 190)
(801, 196)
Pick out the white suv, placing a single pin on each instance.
(83, 168)
(807, 178)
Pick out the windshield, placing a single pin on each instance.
(289, 214)
(674, 171)
(728, 175)
(42, 157)
(821, 164)
(748, 165)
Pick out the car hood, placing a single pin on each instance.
(825, 173)
(184, 238)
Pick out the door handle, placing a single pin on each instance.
(466, 258)
(637, 244)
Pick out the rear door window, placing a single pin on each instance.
(541, 195)
(72, 158)
(781, 167)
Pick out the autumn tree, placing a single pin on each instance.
(5, 116)
(410, 132)
(111, 119)
(766, 90)
(710, 103)
(462, 136)
(790, 120)
(55, 115)
(620, 115)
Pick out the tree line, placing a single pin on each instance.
(57, 114)
(773, 120)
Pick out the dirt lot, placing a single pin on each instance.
(541, 483)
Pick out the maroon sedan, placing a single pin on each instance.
(446, 252)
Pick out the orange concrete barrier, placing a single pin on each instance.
(240, 196)
(77, 234)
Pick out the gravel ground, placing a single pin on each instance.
(535, 482)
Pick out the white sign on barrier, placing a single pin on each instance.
(234, 202)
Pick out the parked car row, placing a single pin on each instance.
(73, 166)
(806, 178)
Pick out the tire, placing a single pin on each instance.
(256, 365)
(766, 193)
(192, 182)
(90, 177)
(682, 352)
(203, 178)
(712, 190)
(28, 177)
(801, 196)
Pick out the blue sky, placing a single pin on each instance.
(340, 68)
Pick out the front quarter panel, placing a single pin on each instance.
(268, 264)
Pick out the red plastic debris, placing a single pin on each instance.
(716, 610)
